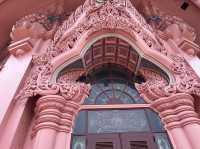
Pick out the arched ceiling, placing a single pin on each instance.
(13, 10)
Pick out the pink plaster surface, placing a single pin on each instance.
(179, 139)
(10, 79)
(197, 2)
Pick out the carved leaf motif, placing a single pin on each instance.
(154, 86)
(111, 15)
(71, 75)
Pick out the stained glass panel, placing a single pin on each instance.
(113, 91)
(102, 99)
(155, 122)
(79, 142)
(80, 123)
(162, 141)
(117, 121)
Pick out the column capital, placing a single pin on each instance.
(58, 111)
(176, 110)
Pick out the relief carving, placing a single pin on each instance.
(109, 15)
(38, 83)
(173, 102)
(172, 26)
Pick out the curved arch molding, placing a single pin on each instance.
(90, 22)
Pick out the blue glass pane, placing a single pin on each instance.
(155, 122)
(119, 84)
(131, 91)
(162, 141)
(102, 99)
(117, 121)
(139, 99)
(126, 99)
(79, 142)
(80, 123)
(105, 84)
(94, 92)
(113, 91)
(109, 94)
(118, 94)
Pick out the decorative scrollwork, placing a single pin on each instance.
(152, 89)
(186, 81)
(109, 15)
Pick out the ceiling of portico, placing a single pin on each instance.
(12, 10)
(112, 52)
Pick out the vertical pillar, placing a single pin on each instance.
(11, 78)
(48, 119)
(55, 115)
(63, 138)
(13, 123)
(11, 113)
(180, 119)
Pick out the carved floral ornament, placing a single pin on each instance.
(91, 18)
(156, 86)
(38, 83)
(113, 14)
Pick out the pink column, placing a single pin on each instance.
(11, 76)
(181, 122)
(193, 133)
(63, 140)
(55, 115)
(178, 138)
(48, 119)
(8, 133)
(191, 122)
(45, 139)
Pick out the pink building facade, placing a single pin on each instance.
(46, 81)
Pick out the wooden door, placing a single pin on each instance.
(137, 141)
(104, 141)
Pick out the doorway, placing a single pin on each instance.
(121, 141)
(115, 116)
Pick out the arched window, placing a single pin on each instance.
(114, 116)
(112, 87)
